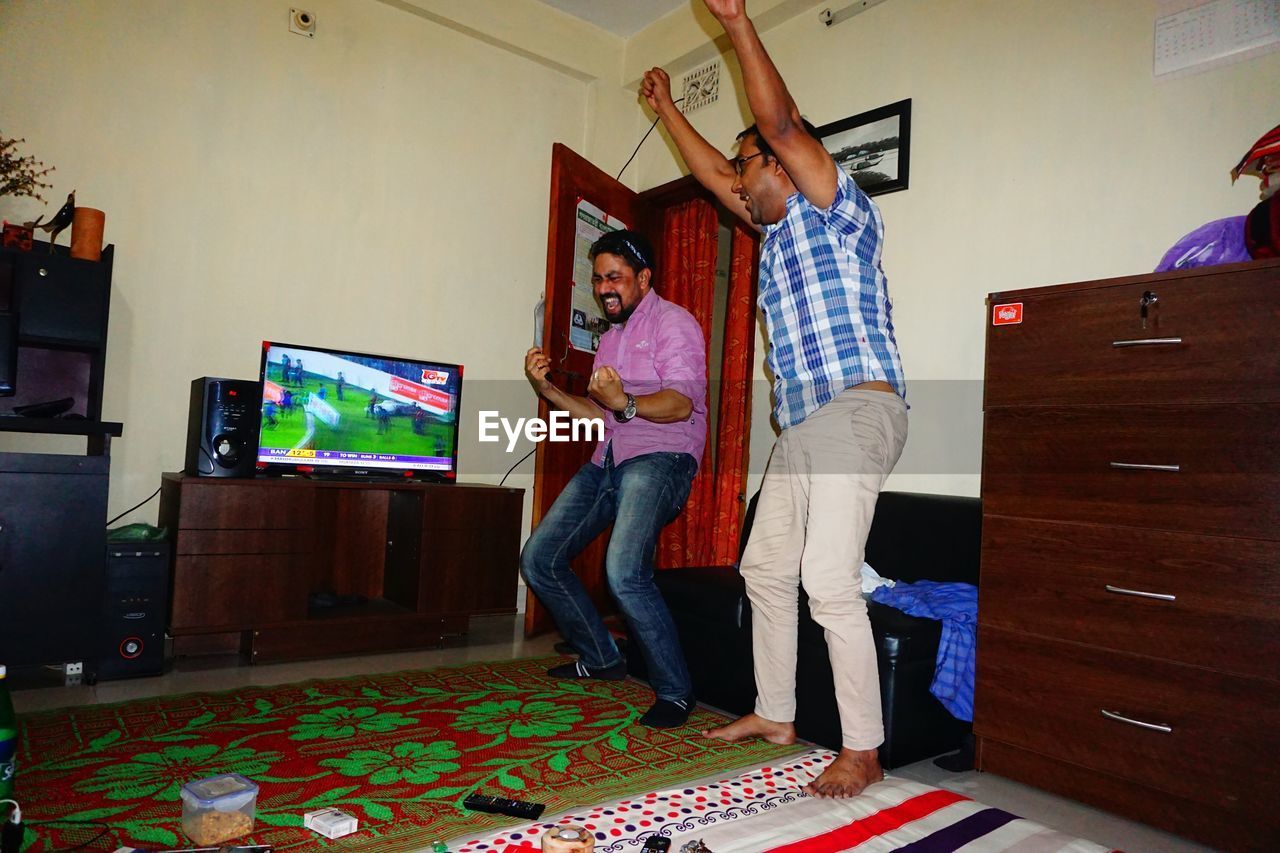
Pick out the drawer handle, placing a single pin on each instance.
(1155, 727)
(1139, 466)
(1160, 595)
(1147, 342)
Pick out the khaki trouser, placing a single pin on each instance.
(811, 525)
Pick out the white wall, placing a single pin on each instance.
(382, 187)
(1042, 151)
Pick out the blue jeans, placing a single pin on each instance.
(639, 497)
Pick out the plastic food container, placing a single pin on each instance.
(219, 808)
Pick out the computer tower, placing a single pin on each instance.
(222, 427)
(135, 610)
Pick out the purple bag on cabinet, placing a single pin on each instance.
(1218, 242)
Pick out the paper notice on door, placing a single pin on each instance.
(586, 321)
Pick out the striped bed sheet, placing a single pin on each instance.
(764, 811)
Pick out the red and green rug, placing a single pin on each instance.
(399, 751)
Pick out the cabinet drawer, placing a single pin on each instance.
(237, 592)
(1060, 464)
(244, 506)
(1049, 697)
(1088, 345)
(1076, 582)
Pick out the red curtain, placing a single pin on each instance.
(706, 532)
(734, 423)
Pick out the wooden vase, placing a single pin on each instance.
(86, 233)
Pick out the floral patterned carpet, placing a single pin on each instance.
(399, 752)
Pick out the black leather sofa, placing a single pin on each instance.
(913, 537)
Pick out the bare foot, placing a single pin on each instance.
(753, 725)
(847, 776)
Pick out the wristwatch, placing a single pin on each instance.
(628, 412)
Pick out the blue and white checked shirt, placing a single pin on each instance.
(826, 302)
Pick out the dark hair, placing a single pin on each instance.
(633, 247)
(764, 146)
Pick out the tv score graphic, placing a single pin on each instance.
(440, 402)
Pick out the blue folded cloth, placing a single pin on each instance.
(956, 605)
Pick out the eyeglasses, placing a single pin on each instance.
(739, 163)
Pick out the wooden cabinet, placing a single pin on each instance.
(259, 563)
(1129, 607)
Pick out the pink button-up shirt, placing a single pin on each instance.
(660, 346)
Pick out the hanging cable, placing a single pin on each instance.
(131, 509)
(513, 467)
(642, 139)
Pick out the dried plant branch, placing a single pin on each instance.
(21, 176)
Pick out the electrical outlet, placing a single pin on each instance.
(302, 22)
(76, 668)
(701, 87)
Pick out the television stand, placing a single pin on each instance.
(250, 553)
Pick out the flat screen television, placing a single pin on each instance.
(328, 412)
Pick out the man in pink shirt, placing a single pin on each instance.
(649, 384)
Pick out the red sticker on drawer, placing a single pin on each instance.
(1008, 314)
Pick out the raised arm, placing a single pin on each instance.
(777, 118)
(711, 168)
(536, 367)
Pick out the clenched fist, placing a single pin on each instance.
(606, 389)
(655, 88)
(727, 10)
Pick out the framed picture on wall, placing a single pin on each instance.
(874, 147)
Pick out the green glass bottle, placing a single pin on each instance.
(8, 738)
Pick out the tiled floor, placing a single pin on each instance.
(502, 637)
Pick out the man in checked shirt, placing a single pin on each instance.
(839, 399)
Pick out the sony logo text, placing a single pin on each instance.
(561, 427)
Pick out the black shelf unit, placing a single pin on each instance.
(54, 509)
(62, 305)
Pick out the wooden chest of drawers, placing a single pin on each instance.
(1129, 612)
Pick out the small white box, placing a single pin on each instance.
(330, 822)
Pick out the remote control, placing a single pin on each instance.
(497, 805)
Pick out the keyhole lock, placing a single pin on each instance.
(1148, 299)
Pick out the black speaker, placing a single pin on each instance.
(135, 610)
(222, 427)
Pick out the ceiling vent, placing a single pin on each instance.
(701, 87)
